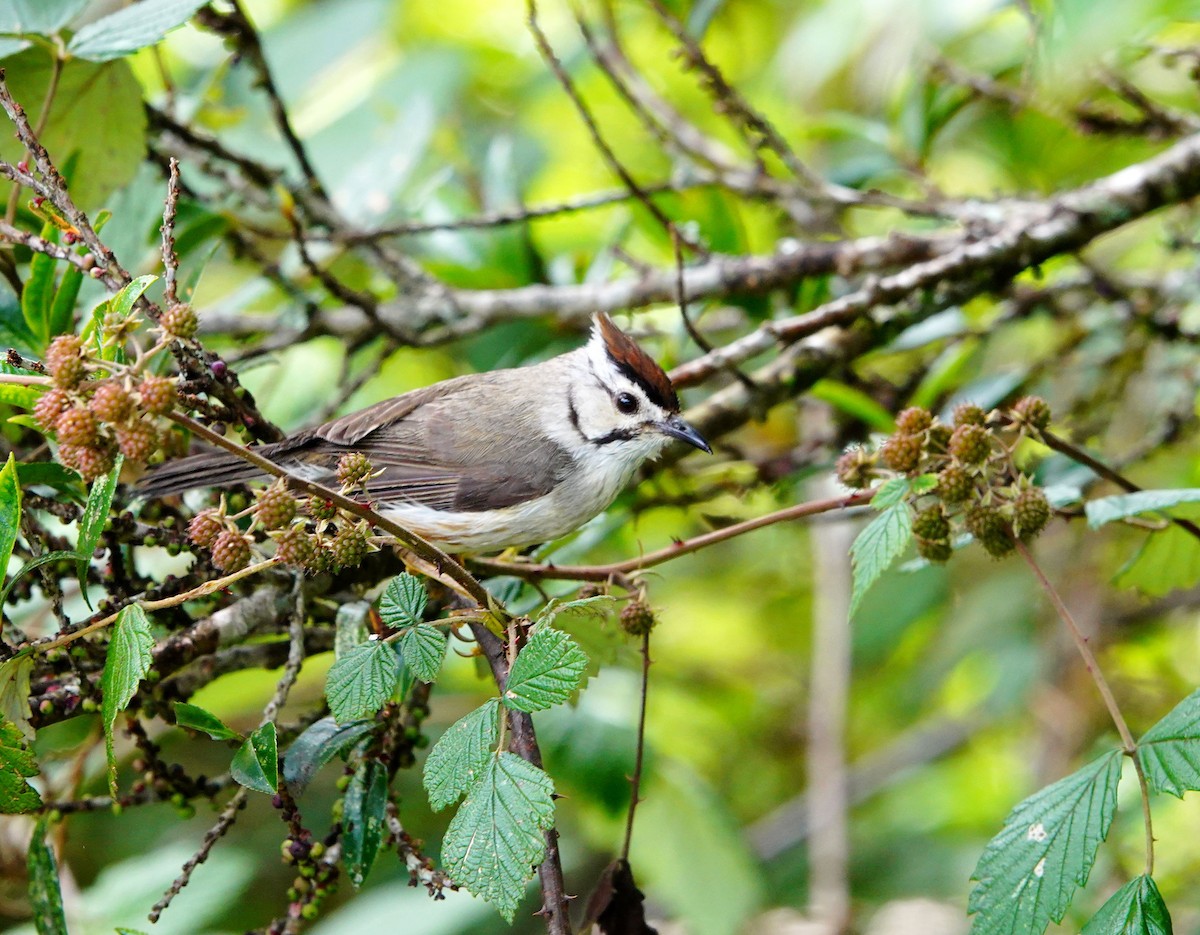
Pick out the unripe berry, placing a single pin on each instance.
(52, 404)
(231, 551)
(637, 619)
(64, 358)
(111, 402)
(353, 469)
(157, 394)
(349, 547)
(137, 441)
(320, 509)
(204, 528)
(295, 547)
(913, 420)
(901, 453)
(971, 443)
(990, 529)
(934, 550)
(968, 414)
(1031, 512)
(275, 507)
(1033, 411)
(931, 523)
(856, 468)
(91, 461)
(179, 321)
(937, 440)
(954, 484)
(77, 427)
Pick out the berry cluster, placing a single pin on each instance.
(973, 484)
(93, 419)
(310, 533)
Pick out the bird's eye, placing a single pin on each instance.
(626, 403)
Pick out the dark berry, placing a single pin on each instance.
(637, 619)
(968, 414)
(1031, 512)
(77, 427)
(231, 551)
(954, 484)
(111, 402)
(971, 443)
(204, 528)
(914, 420)
(901, 453)
(157, 394)
(275, 507)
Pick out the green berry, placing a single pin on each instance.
(353, 469)
(934, 550)
(1033, 411)
(968, 414)
(637, 618)
(180, 321)
(902, 453)
(349, 547)
(276, 507)
(204, 528)
(231, 551)
(971, 444)
(954, 484)
(913, 420)
(931, 523)
(987, 525)
(1031, 513)
(320, 509)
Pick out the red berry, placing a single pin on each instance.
(204, 528)
(231, 551)
(52, 404)
(137, 441)
(157, 394)
(64, 358)
(77, 427)
(111, 402)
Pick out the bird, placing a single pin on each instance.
(487, 461)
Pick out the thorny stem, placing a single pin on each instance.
(1128, 744)
(635, 781)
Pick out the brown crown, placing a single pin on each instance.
(636, 364)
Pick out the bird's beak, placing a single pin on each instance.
(677, 428)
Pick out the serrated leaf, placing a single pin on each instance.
(319, 744)
(879, 545)
(14, 693)
(93, 520)
(1137, 908)
(131, 28)
(547, 669)
(10, 511)
(125, 665)
(17, 764)
(583, 604)
(361, 681)
(256, 763)
(349, 627)
(1122, 506)
(461, 754)
(423, 648)
(496, 837)
(403, 602)
(32, 565)
(1170, 750)
(45, 894)
(1029, 871)
(195, 717)
(890, 492)
(362, 818)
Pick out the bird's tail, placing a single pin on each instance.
(213, 469)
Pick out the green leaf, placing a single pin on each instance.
(423, 648)
(34, 564)
(1122, 506)
(879, 545)
(1137, 908)
(125, 665)
(121, 304)
(195, 717)
(362, 818)
(855, 403)
(25, 397)
(461, 754)
(891, 492)
(319, 744)
(94, 519)
(10, 511)
(361, 681)
(37, 17)
(45, 894)
(52, 474)
(1170, 750)
(403, 602)
(1168, 560)
(1029, 871)
(14, 692)
(496, 837)
(131, 28)
(547, 669)
(17, 764)
(349, 627)
(583, 605)
(62, 309)
(256, 763)
(38, 294)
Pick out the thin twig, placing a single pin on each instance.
(1128, 744)
(635, 781)
(170, 259)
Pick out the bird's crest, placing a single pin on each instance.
(635, 363)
